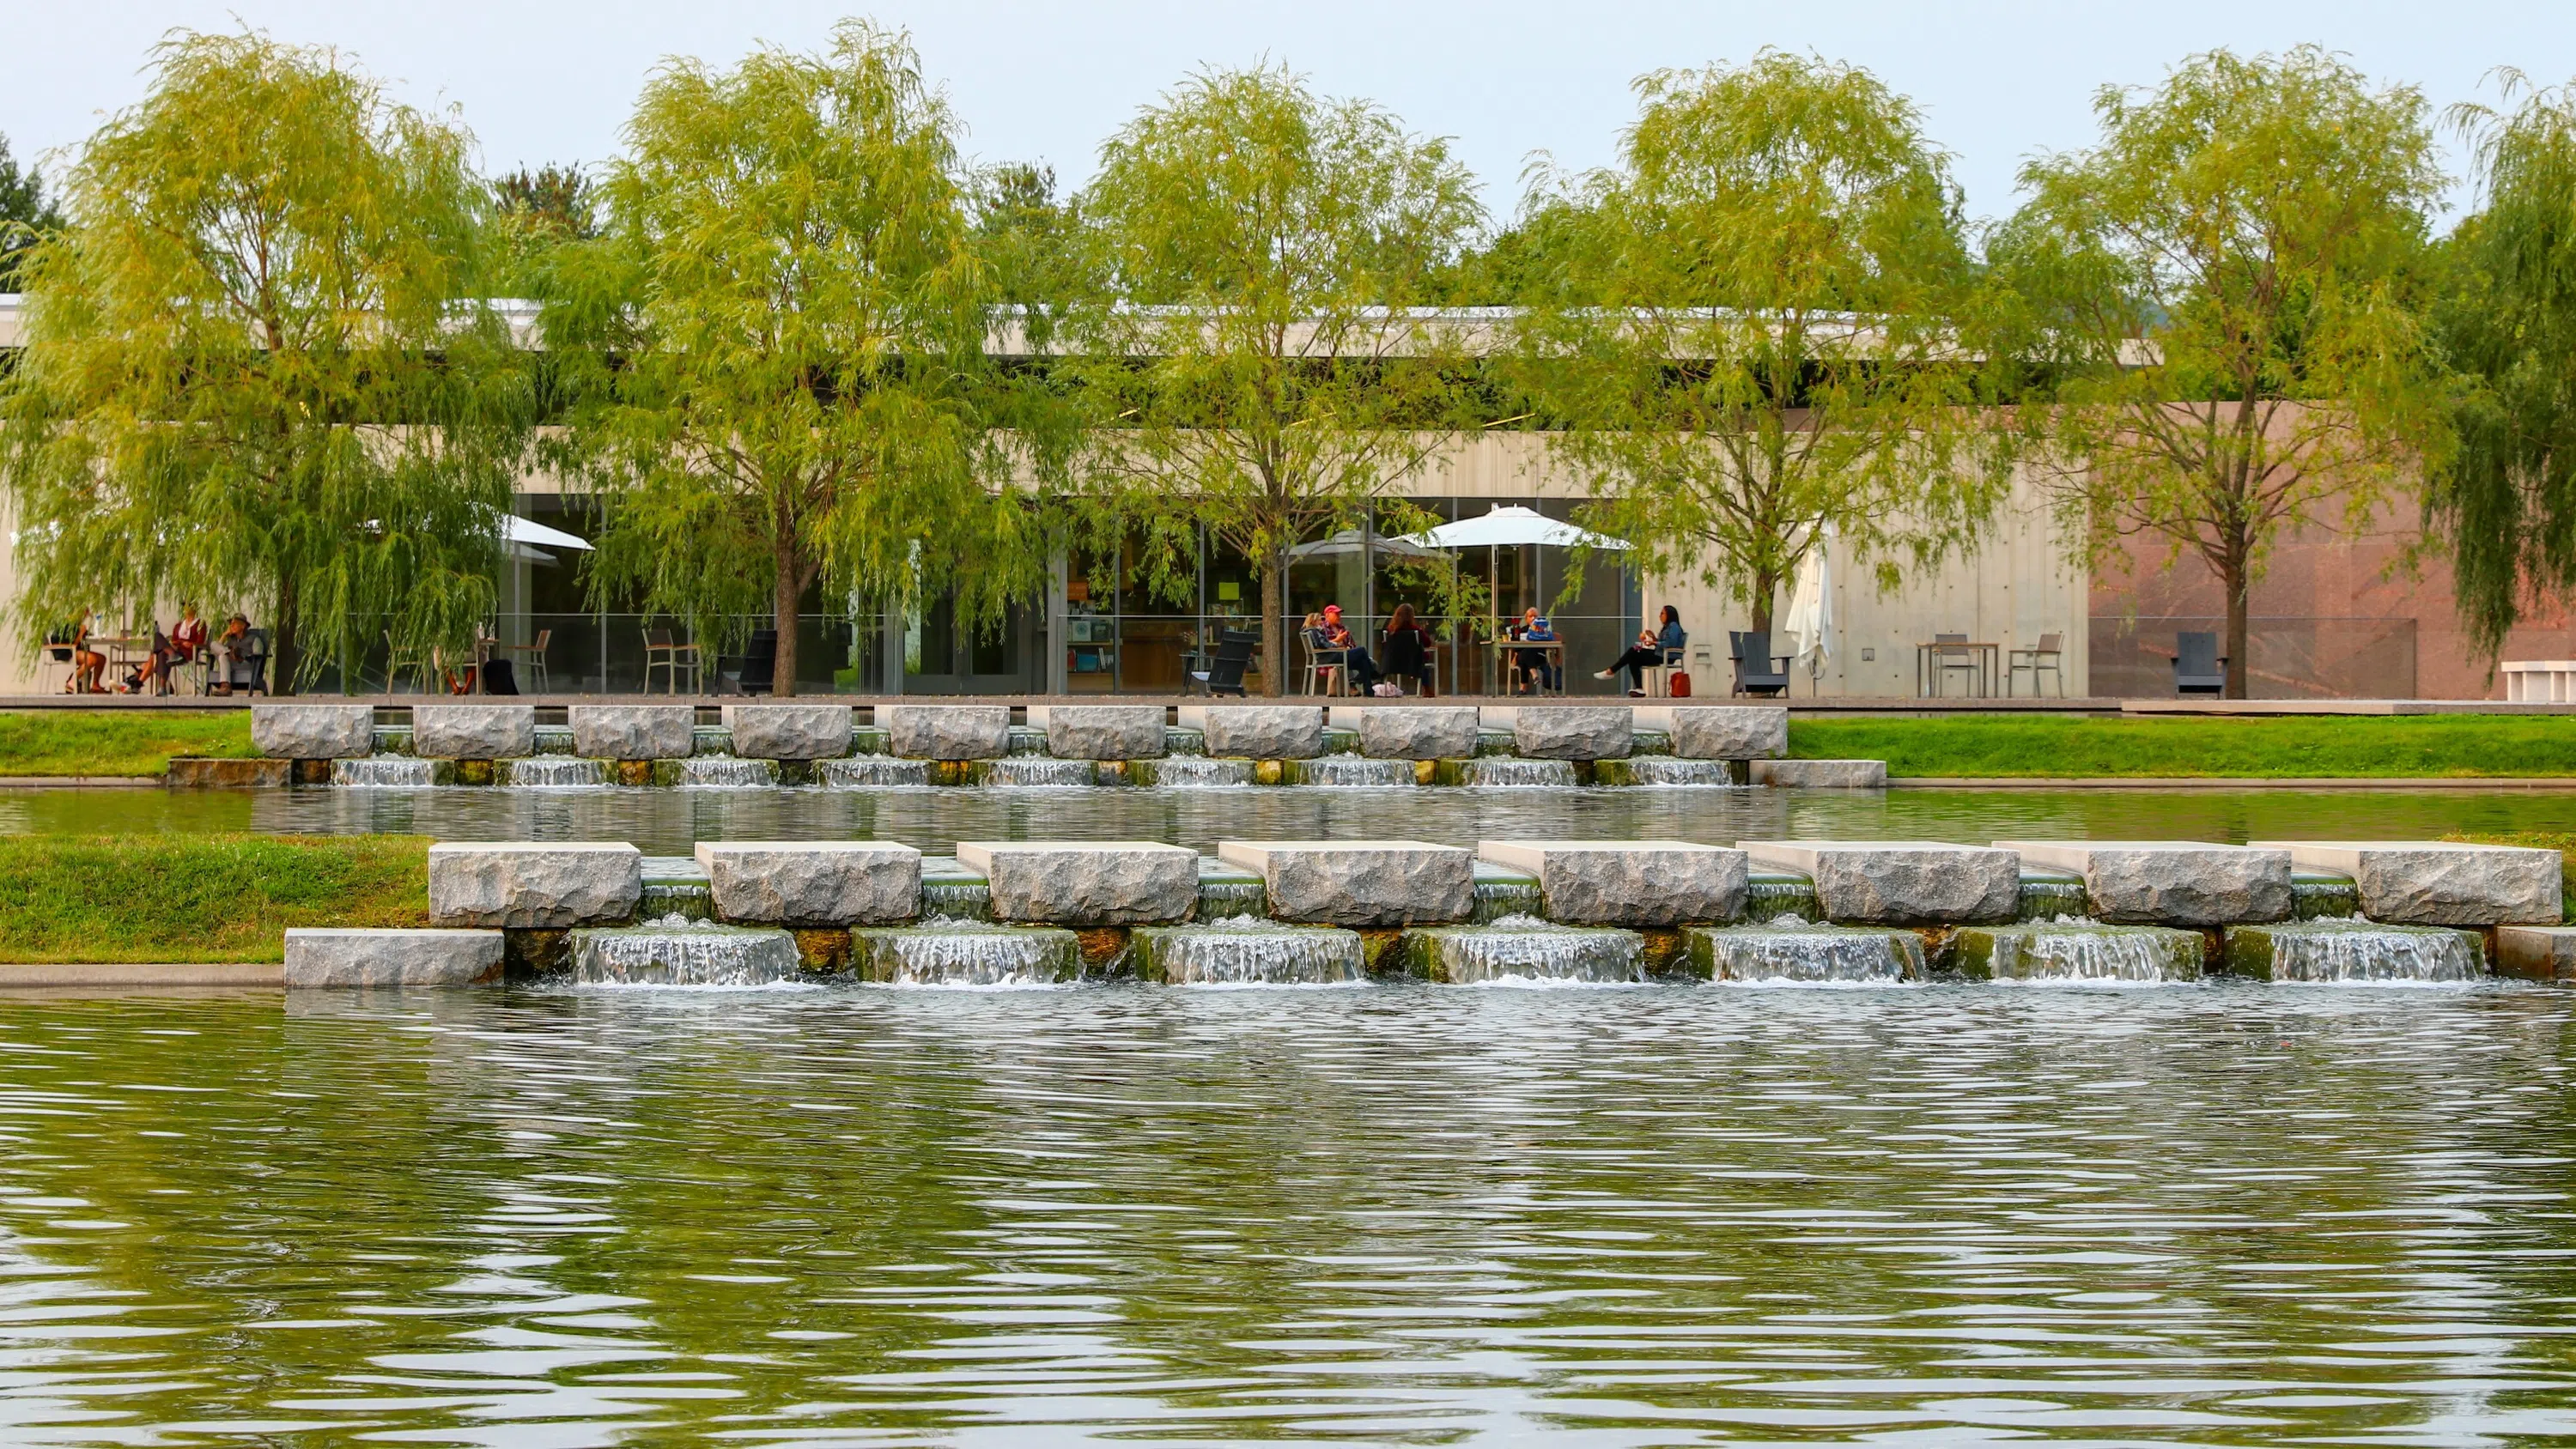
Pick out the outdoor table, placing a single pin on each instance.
(1989, 664)
(1506, 667)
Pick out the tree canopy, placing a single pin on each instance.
(24, 214)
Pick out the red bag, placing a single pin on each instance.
(1680, 685)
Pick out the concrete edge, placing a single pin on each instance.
(80, 782)
(124, 973)
(2233, 782)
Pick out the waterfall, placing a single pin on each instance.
(553, 771)
(675, 886)
(1027, 740)
(2354, 951)
(2316, 894)
(1198, 772)
(952, 891)
(2074, 952)
(675, 951)
(1769, 894)
(385, 771)
(1349, 771)
(1666, 770)
(1181, 740)
(554, 739)
(869, 772)
(710, 740)
(393, 739)
(1244, 951)
(1226, 892)
(1511, 770)
(727, 772)
(1526, 950)
(966, 953)
(2047, 895)
(1501, 892)
(1023, 771)
(1788, 952)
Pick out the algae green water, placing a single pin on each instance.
(2217, 1214)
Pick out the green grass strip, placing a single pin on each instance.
(128, 742)
(2277, 746)
(180, 898)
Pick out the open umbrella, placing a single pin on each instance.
(1351, 540)
(1512, 527)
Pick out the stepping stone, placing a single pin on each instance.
(1107, 883)
(1360, 882)
(813, 882)
(1416, 731)
(1259, 731)
(1101, 731)
(2441, 883)
(313, 731)
(1574, 731)
(1820, 774)
(1901, 882)
(370, 957)
(819, 731)
(947, 731)
(474, 731)
(2537, 953)
(530, 885)
(1628, 883)
(634, 731)
(2171, 882)
(1728, 731)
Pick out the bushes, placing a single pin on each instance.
(190, 898)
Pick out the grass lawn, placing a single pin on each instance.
(188, 898)
(116, 741)
(1989, 745)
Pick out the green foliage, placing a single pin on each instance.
(24, 215)
(187, 898)
(248, 378)
(796, 312)
(2228, 292)
(1258, 375)
(534, 212)
(1748, 330)
(2288, 747)
(2507, 322)
(117, 742)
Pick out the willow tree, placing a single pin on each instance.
(2507, 322)
(787, 318)
(1745, 334)
(254, 373)
(1260, 373)
(2229, 290)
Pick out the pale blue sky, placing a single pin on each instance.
(542, 80)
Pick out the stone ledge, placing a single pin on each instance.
(1901, 882)
(1101, 731)
(1575, 732)
(789, 731)
(947, 731)
(1728, 731)
(1633, 883)
(2441, 883)
(1820, 774)
(313, 731)
(476, 731)
(1360, 882)
(526, 885)
(634, 731)
(2537, 953)
(2170, 882)
(1105, 883)
(1417, 732)
(812, 882)
(365, 957)
(1259, 731)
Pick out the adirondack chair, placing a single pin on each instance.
(2198, 666)
(1754, 661)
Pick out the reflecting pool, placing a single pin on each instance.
(1618, 1215)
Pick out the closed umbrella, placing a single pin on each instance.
(1811, 610)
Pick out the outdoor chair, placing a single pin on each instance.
(59, 651)
(248, 673)
(664, 652)
(423, 667)
(1658, 680)
(532, 659)
(1949, 652)
(1224, 674)
(2045, 657)
(2198, 666)
(1324, 663)
(1753, 659)
(755, 670)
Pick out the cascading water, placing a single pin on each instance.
(1181, 740)
(1772, 894)
(1246, 951)
(2354, 951)
(1503, 892)
(1494, 770)
(554, 771)
(390, 772)
(1351, 772)
(2318, 895)
(727, 772)
(1789, 952)
(710, 740)
(674, 885)
(2075, 952)
(1198, 772)
(871, 772)
(1027, 740)
(1667, 771)
(676, 951)
(1226, 891)
(1039, 772)
(2047, 895)
(954, 892)
(554, 739)
(1525, 950)
(966, 953)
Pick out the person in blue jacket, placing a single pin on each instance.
(1653, 649)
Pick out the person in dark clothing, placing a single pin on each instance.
(1408, 649)
(1364, 670)
(1653, 650)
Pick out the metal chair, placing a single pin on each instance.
(2198, 666)
(1658, 677)
(1751, 654)
(1324, 662)
(1224, 674)
(1951, 651)
(532, 658)
(2045, 657)
(666, 653)
(755, 670)
(423, 667)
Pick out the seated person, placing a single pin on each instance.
(231, 646)
(1364, 670)
(87, 663)
(1654, 649)
(1408, 649)
(188, 636)
(1536, 670)
(155, 667)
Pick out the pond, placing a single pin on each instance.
(672, 821)
(2211, 1214)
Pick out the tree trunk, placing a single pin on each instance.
(2233, 574)
(284, 658)
(1764, 586)
(1274, 633)
(783, 600)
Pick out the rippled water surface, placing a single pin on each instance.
(1667, 1215)
(672, 821)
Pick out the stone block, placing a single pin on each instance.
(1102, 731)
(313, 731)
(1821, 774)
(1417, 731)
(2170, 882)
(816, 731)
(947, 731)
(1360, 882)
(527, 884)
(1105, 883)
(2538, 953)
(2439, 883)
(1574, 731)
(1264, 731)
(1729, 731)
(323, 957)
(812, 882)
(1628, 883)
(195, 773)
(478, 731)
(634, 731)
(1900, 882)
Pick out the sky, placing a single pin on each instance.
(1508, 80)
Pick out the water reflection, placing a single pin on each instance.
(2215, 1214)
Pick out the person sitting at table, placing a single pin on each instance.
(1654, 649)
(188, 636)
(230, 646)
(1408, 649)
(1536, 671)
(87, 663)
(155, 666)
(1364, 670)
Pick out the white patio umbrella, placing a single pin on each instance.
(526, 540)
(1350, 540)
(1512, 527)
(1811, 609)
